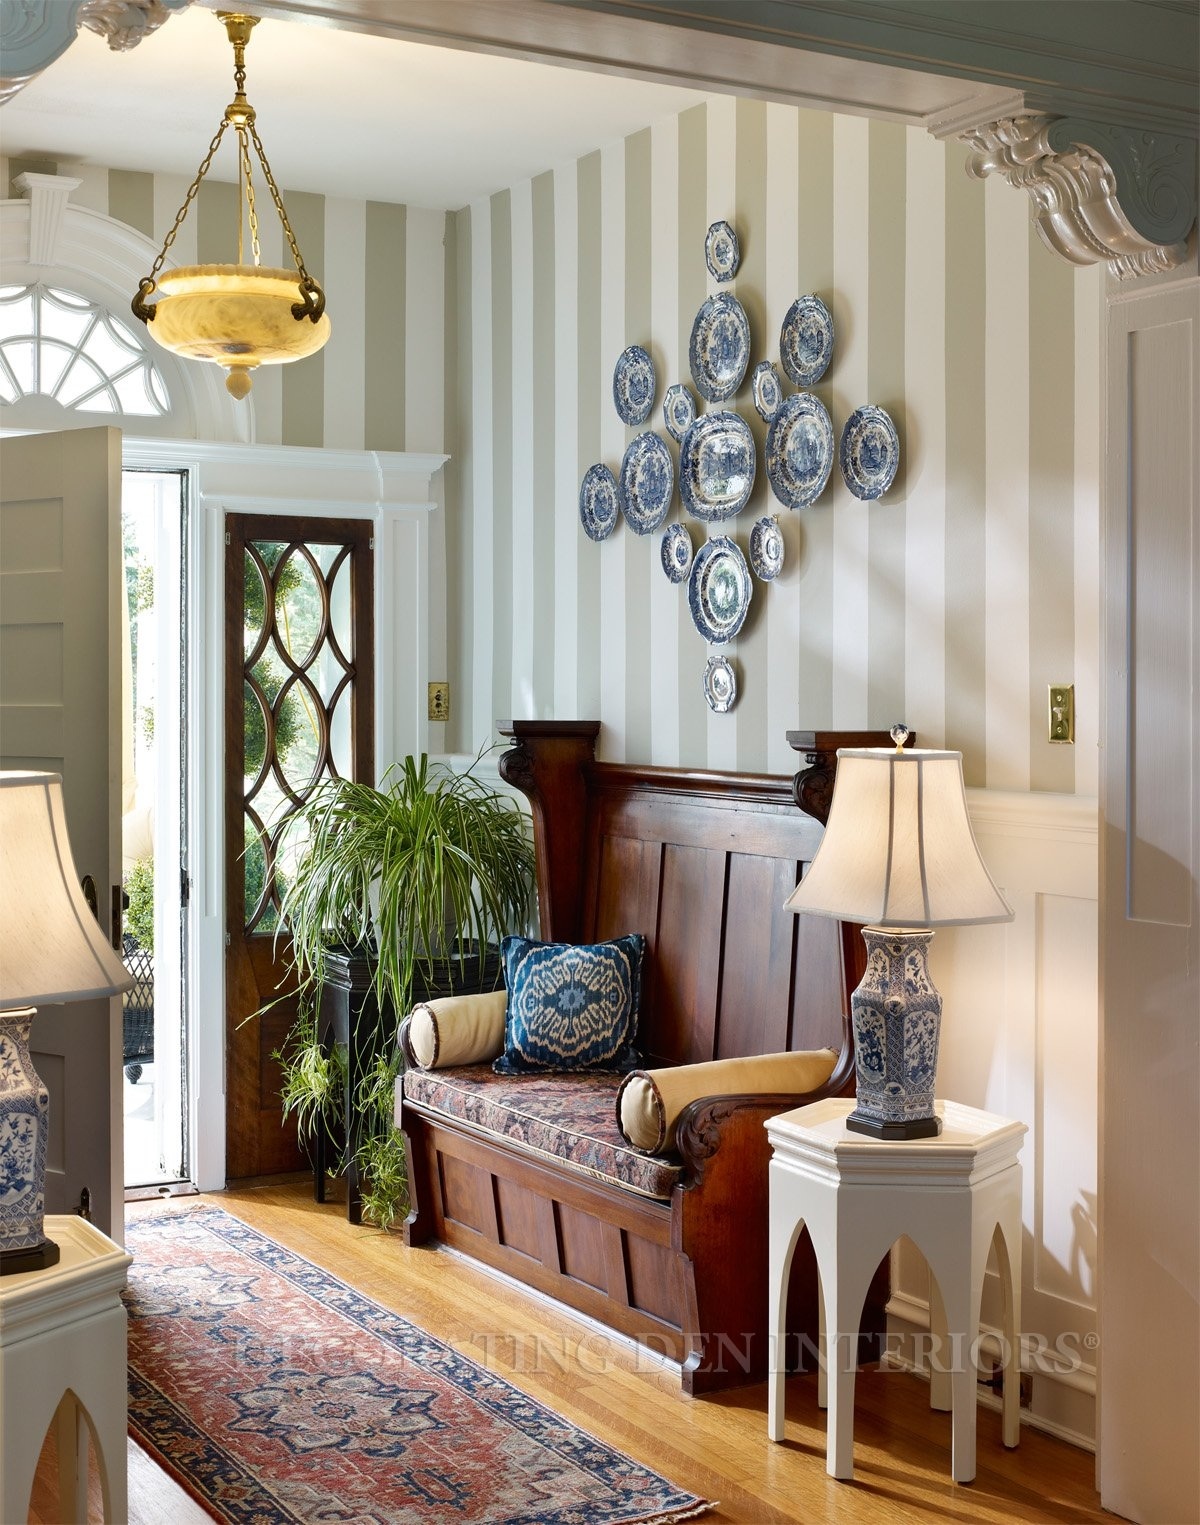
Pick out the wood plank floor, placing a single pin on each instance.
(716, 1447)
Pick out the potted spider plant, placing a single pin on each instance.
(414, 882)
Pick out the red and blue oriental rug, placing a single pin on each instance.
(276, 1393)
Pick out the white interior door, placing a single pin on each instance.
(60, 590)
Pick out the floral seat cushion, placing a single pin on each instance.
(568, 1118)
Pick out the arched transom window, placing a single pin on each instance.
(61, 345)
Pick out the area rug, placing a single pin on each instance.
(275, 1393)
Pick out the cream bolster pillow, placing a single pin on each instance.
(650, 1101)
(457, 1029)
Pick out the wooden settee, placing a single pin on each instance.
(701, 863)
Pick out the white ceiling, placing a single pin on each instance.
(338, 112)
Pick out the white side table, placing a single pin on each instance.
(856, 1196)
(63, 1358)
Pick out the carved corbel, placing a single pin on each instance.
(1100, 192)
(36, 32)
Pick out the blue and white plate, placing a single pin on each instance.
(799, 450)
(720, 685)
(679, 410)
(766, 549)
(598, 502)
(767, 390)
(719, 590)
(676, 552)
(634, 385)
(716, 466)
(647, 483)
(806, 340)
(869, 453)
(719, 351)
(722, 252)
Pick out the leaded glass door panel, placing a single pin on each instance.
(298, 710)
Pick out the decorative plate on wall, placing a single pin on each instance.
(634, 385)
(720, 685)
(676, 552)
(869, 453)
(722, 252)
(647, 483)
(716, 466)
(719, 590)
(799, 450)
(598, 502)
(766, 549)
(679, 410)
(767, 390)
(806, 340)
(720, 347)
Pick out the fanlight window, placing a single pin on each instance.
(61, 345)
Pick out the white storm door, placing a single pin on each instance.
(60, 692)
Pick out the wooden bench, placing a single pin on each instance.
(701, 863)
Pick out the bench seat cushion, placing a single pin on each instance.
(567, 1118)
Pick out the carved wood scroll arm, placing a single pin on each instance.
(733, 1125)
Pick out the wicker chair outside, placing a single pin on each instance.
(138, 1009)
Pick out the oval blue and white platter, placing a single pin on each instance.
(767, 390)
(719, 351)
(676, 552)
(647, 483)
(869, 453)
(598, 502)
(634, 385)
(716, 466)
(806, 340)
(720, 685)
(766, 549)
(722, 252)
(679, 410)
(799, 450)
(719, 590)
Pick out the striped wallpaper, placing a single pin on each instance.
(952, 603)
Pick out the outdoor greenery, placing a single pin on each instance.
(139, 916)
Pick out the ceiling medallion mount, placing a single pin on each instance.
(241, 315)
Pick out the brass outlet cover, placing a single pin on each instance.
(1060, 729)
(439, 701)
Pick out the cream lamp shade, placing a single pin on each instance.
(898, 854)
(52, 949)
(898, 850)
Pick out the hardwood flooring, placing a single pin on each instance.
(716, 1447)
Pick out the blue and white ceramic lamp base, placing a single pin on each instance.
(896, 1014)
(24, 1105)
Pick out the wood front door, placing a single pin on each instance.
(299, 708)
(60, 695)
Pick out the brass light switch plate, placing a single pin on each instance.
(439, 701)
(1061, 729)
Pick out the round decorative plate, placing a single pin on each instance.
(767, 390)
(634, 385)
(806, 340)
(647, 483)
(598, 502)
(869, 453)
(679, 410)
(722, 252)
(676, 552)
(719, 590)
(766, 549)
(799, 450)
(720, 347)
(720, 685)
(716, 466)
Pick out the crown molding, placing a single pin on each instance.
(36, 32)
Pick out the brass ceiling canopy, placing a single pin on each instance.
(241, 316)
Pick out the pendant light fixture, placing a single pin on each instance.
(241, 315)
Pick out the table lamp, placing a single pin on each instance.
(52, 950)
(898, 854)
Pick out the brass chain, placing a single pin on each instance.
(187, 201)
(278, 200)
(249, 181)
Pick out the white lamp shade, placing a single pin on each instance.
(899, 850)
(51, 946)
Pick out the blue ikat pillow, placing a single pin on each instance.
(571, 1007)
